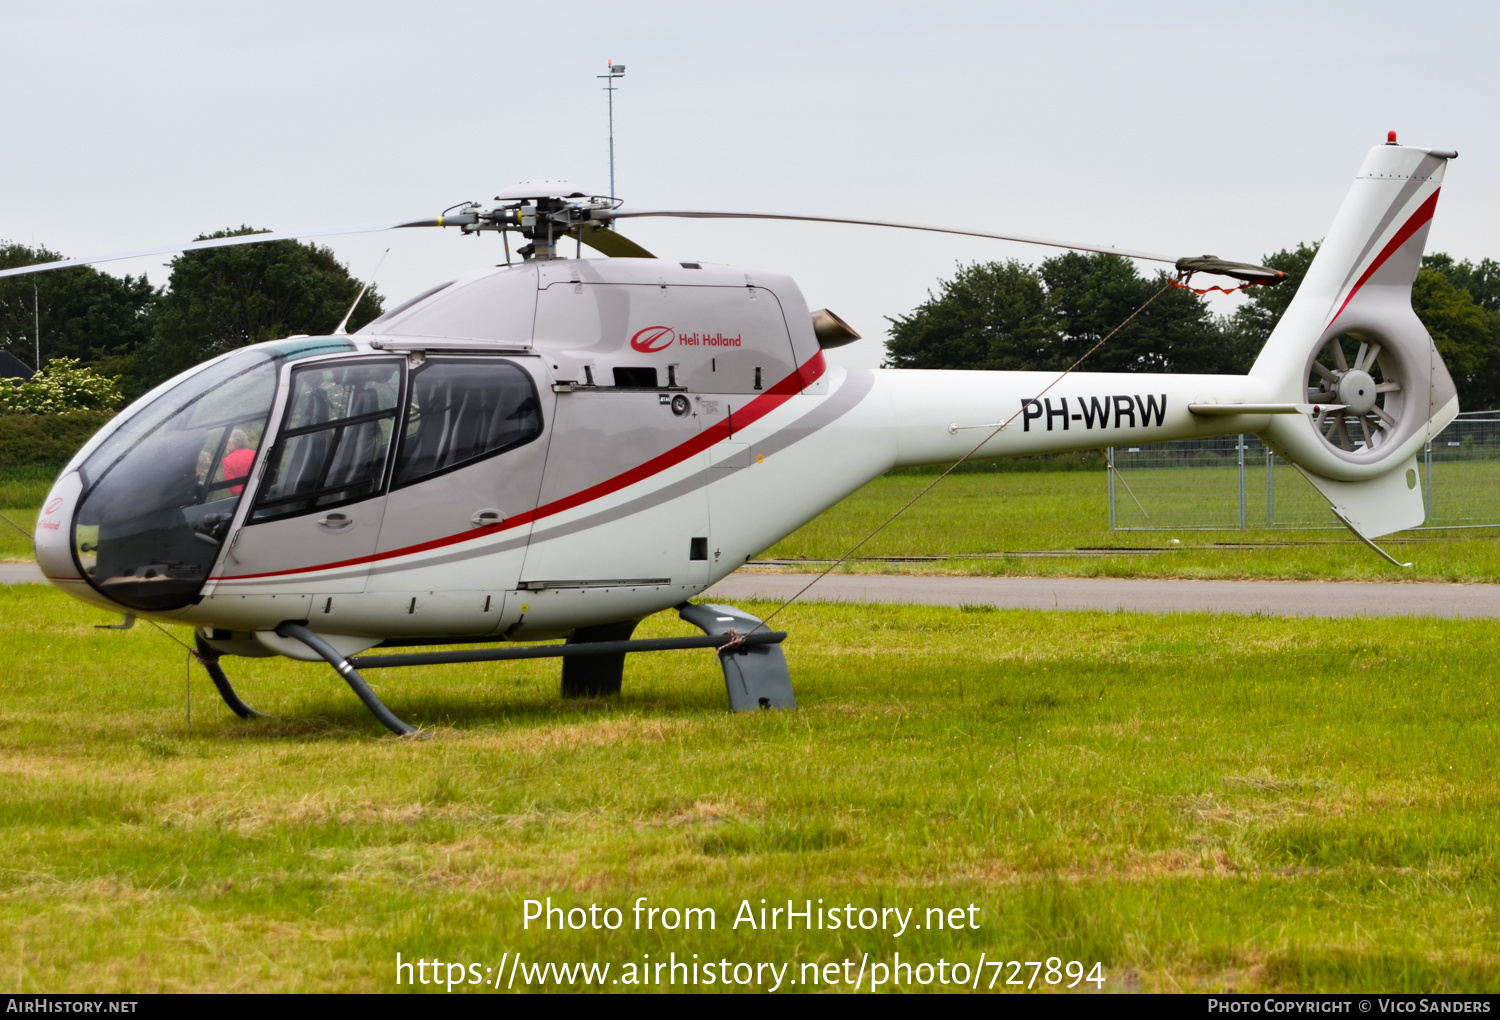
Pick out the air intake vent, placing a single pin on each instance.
(635, 378)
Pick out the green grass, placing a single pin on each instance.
(1194, 801)
(22, 490)
(983, 521)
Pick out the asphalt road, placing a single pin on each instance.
(1273, 598)
(20, 573)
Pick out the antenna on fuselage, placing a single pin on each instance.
(341, 331)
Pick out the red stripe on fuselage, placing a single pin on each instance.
(752, 412)
(1418, 219)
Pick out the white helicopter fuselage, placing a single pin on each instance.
(562, 444)
(622, 503)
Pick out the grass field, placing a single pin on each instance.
(22, 491)
(1194, 802)
(988, 523)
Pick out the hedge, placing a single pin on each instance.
(46, 440)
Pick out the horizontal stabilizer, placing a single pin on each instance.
(1223, 409)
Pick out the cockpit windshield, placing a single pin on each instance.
(160, 492)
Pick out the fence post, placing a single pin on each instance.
(1270, 487)
(1109, 469)
(1427, 465)
(1239, 442)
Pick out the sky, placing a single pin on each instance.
(1226, 129)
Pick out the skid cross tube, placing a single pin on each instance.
(351, 677)
(483, 639)
(557, 651)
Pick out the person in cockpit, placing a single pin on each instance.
(239, 455)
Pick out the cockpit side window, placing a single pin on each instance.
(333, 444)
(464, 409)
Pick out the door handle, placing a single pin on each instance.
(336, 522)
(486, 517)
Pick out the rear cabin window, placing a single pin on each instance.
(464, 409)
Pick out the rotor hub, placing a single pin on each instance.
(544, 212)
(1356, 388)
(1365, 393)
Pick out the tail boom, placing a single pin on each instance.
(939, 416)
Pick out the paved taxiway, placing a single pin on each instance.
(20, 573)
(1274, 598)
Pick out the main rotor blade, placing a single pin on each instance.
(217, 242)
(607, 242)
(1023, 238)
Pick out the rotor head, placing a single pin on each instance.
(543, 212)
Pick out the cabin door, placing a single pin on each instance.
(320, 501)
(624, 500)
(468, 470)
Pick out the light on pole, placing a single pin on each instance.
(615, 71)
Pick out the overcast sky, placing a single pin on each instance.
(1187, 129)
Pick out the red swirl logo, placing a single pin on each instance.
(653, 339)
(52, 507)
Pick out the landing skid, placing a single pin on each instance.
(755, 671)
(209, 656)
(350, 674)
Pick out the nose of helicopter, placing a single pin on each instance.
(137, 522)
(53, 542)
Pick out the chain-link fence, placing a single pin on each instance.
(1234, 482)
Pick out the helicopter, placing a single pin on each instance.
(556, 448)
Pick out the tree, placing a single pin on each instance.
(1464, 334)
(222, 298)
(1093, 295)
(1010, 316)
(1480, 389)
(991, 315)
(85, 314)
(1249, 327)
(1481, 281)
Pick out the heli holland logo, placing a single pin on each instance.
(653, 339)
(52, 507)
(709, 340)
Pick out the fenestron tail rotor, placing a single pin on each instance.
(1364, 385)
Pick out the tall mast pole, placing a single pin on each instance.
(615, 71)
(611, 135)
